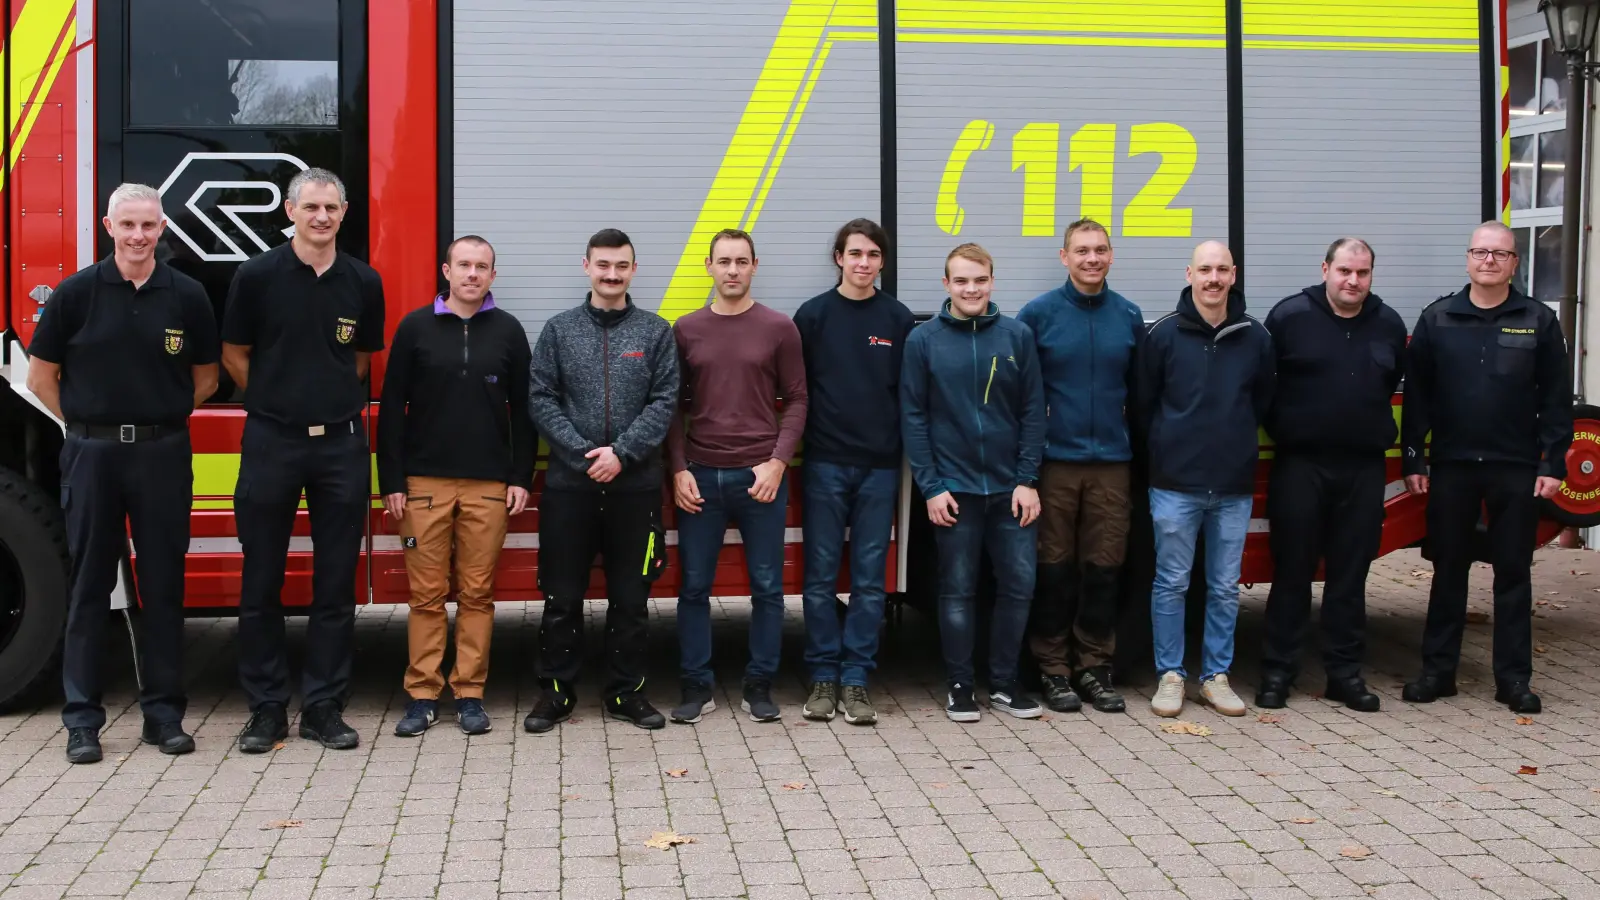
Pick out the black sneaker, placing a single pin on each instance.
(1094, 685)
(83, 746)
(420, 716)
(267, 728)
(959, 704)
(633, 707)
(471, 716)
(169, 737)
(697, 701)
(1059, 695)
(554, 707)
(758, 702)
(1014, 701)
(324, 723)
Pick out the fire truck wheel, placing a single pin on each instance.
(34, 571)
(1578, 504)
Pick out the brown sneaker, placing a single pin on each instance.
(1168, 699)
(1216, 692)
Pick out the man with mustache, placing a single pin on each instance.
(1086, 334)
(125, 351)
(1487, 373)
(1205, 381)
(605, 388)
(298, 334)
(455, 461)
(1339, 352)
(729, 454)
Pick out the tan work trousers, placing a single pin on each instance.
(1083, 538)
(466, 520)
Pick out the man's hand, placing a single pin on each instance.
(396, 505)
(1546, 487)
(942, 510)
(769, 477)
(1417, 484)
(516, 499)
(605, 466)
(686, 492)
(1025, 504)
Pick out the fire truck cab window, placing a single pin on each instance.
(209, 63)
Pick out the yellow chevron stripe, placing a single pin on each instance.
(32, 38)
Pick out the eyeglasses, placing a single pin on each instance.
(1481, 254)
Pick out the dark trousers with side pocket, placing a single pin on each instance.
(277, 464)
(108, 488)
(623, 528)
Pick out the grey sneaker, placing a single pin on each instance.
(1168, 699)
(857, 706)
(820, 704)
(697, 701)
(758, 703)
(1216, 692)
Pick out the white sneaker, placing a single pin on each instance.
(1216, 692)
(1168, 701)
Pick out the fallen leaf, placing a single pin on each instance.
(666, 840)
(1355, 852)
(1421, 573)
(1304, 821)
(1541, 603)
(677, 773)
(1476, 617)
(795, 786)
(1386, 792)
(572, 796)
(1558, 606)
(1269, 718)
(938, 784)
(278, 746)
(122, 759)
(1044, 718)
(284, 823)
(1524, 720)
(1538, 648)
(1528, 770)
(1186, 728)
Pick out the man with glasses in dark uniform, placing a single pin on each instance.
(299, 331)
(126, 349)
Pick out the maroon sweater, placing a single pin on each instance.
(734, 370)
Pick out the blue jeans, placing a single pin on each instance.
(862, 500)
(985, 522)
(1179, 518)
(761, 529)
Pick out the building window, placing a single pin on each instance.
(1538, 95)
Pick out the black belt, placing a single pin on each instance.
(126, 434)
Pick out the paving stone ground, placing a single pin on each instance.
(1413, 802)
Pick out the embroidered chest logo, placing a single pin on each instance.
(174, 341)
(1518, 331)
(633, 354)
(345, 330)
(879, 342)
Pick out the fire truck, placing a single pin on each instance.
(1275, 125)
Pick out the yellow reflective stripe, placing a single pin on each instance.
(1505, 142)
(1418, 20)
(649, 551)
(1359, 46)
(33, 70)
(1085, 16)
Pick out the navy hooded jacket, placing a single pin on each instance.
(972, 405)
(1203, 393)
(1086, 345)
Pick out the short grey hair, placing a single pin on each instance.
(130, 192)
(314, 176)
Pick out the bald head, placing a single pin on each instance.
(1211, 275)
(1216, 251)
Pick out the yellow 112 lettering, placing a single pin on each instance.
(1092, 154)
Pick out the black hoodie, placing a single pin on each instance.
(1202, 393)
(1336, 376)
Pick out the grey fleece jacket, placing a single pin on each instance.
(602, 377)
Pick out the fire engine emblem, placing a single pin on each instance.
(174, 341)
(345, 330)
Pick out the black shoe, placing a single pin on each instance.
(554, 707)
(696, 702)
(1516, 695)
(420, 716)
(1428, 688)
(324, 723)
(1059, 695)
(1352, 692)
(169, 737)
(1094, 685)
(83, 746)
(959, 704)
(633, 707)
(758, 703)
(1012, 700)
(268, 727)
(1273, 692)
(471, 716)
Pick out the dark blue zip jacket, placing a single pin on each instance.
(1086, 345)
(972, 405)
(1203, 393)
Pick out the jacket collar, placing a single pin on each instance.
(1461, 304)
(607, 318)
(990, 316)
